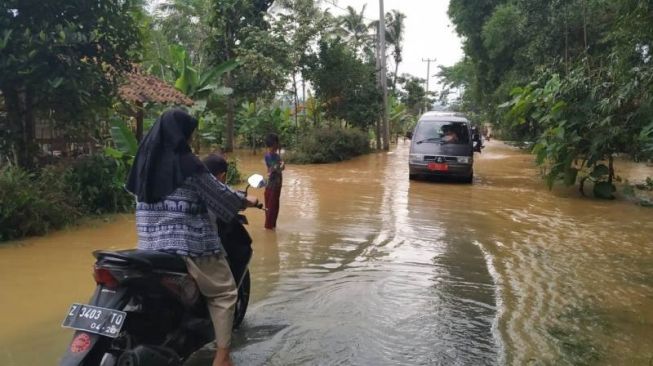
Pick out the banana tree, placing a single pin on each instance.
(399, 117)
(204, 86)
(124, 141)
(198, 84)
(257, 119)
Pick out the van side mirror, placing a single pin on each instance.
(409, 135)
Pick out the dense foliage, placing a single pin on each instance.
(33, 204)
(96, 184)
(256, 120)
(326, 145)
(575, 77)
(250, 67)
(60, 60)
(345, 83)
(30, 206)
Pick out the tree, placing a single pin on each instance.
(61, 59)
(395, 37)
(577, 77)
(414, 93)
(468, 17)
(345, 84)
(302, 22)
(232, 21)
(197, 83)
(401, 120)
(264, 55)
(185, 22)
(203, 85)
(355, 28)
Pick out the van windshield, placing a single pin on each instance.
(442, 132)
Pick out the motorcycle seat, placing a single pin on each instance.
(150, 258)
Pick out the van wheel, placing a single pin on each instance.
(469, 179)
(412, 176)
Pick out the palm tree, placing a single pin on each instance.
(354, 25)
(395, 36)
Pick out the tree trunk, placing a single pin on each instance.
(139, 121)
(394, 80)
(566, 42)
(304, 100)
(230, 126)
(230, 129)
(610, 168)
(586, 50)
(585, 25)
(22, 126)
(377, 133)
(296, 98)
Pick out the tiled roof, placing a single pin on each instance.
(149, 89)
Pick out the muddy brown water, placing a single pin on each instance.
(367, 268)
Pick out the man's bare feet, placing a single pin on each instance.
(222, 358)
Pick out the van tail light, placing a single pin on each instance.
(104, 277)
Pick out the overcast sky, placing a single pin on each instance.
(428, 33)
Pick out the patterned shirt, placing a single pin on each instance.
(180, 223)
(273, 163)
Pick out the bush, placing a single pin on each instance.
(326, 145)
(31, 204)
(233, 174)
(97, 182)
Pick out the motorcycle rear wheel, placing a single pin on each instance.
(243, 300)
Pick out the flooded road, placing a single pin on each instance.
(369, 268)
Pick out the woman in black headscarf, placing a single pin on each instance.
(174, 193)
(164, 159)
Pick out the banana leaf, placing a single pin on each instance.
(123, 137)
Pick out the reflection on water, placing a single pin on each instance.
(369, 268)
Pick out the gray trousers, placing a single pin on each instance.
(217, 284)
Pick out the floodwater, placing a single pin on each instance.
(369, 268)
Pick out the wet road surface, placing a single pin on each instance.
(369, 268)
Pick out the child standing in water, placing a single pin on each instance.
(275, 166)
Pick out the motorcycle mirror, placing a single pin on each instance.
(256, 181)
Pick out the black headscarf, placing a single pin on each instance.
(164, 160)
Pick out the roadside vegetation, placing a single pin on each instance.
(70, 121)
(571, 78)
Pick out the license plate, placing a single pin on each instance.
(438, 166)
(94, 319)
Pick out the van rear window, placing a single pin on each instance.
(443, 132)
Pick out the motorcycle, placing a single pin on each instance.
(147, 310)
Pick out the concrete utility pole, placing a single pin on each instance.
(377, 60)
(428, 76)
(384, 79)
